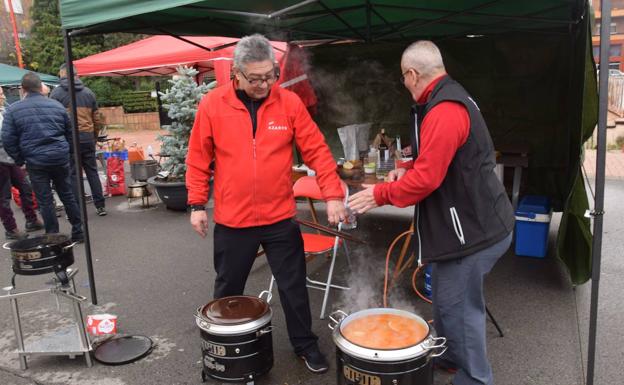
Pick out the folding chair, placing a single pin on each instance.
(316, 243)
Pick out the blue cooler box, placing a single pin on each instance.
(532, 224)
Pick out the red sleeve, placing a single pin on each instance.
(315, 153)
(443, 131)
(200, 154)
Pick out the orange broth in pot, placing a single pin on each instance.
(385, 331)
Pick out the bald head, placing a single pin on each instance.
(421, 63)
(424, 57)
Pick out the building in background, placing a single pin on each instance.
(21, 8)
(617, 33)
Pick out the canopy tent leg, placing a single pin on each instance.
(598, 212)
(69, 60)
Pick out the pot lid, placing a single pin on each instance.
(123, 349)
(234, 310)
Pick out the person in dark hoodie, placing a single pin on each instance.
(36, 131)
(89, 124)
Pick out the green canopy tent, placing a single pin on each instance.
(11, 76)
(528, 63)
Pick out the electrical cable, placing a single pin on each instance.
(388, 255)
(414, 275)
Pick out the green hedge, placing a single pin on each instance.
(132, 101)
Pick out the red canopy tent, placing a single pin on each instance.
(160, 55)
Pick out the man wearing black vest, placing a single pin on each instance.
(463, 219)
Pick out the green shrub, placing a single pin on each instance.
(132, 95)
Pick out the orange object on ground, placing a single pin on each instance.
(135, 154)
(384, 331)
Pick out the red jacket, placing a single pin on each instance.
(252, 176)
(443, 131)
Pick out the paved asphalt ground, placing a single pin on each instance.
(153, 272)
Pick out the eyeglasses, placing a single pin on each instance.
(269, 79)
(403, 74)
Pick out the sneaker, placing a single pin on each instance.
(15, 234)
(314, 360)
(101, 211)
(34, 225)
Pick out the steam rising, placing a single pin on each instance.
(366, 280)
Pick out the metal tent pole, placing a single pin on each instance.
(69, 60)
(605, 11)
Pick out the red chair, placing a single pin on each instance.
(316, 243)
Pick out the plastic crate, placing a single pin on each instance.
(123, 155)
(532, 226)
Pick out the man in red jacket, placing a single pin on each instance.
(248, 128)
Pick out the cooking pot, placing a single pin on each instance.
(143, 169)
(237, 339)
(408, 365)
(138, 190)
(42, 254)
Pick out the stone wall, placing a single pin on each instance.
(115, 116)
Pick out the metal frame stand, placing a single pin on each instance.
(51, 345)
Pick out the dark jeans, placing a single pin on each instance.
(12, 175)
(234, 254)
(41, 178)
(89, 165)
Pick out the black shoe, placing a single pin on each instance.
(446, 369)
(101, 211)
(15, 234)
(315, 360)
(34, 225)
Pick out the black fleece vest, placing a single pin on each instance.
(470, 211)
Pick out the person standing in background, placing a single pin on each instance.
(36, 131)
(12, 175)
(89, 124)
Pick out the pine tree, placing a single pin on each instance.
(181, 102)
(43, 50)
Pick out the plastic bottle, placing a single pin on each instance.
(371, 161)
(383, 145)
(150, 151)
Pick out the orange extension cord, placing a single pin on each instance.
(414, 286)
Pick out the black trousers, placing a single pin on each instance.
(234, 254)
(89, 165)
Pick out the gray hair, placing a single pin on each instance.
(254, 48)
(425, 57)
